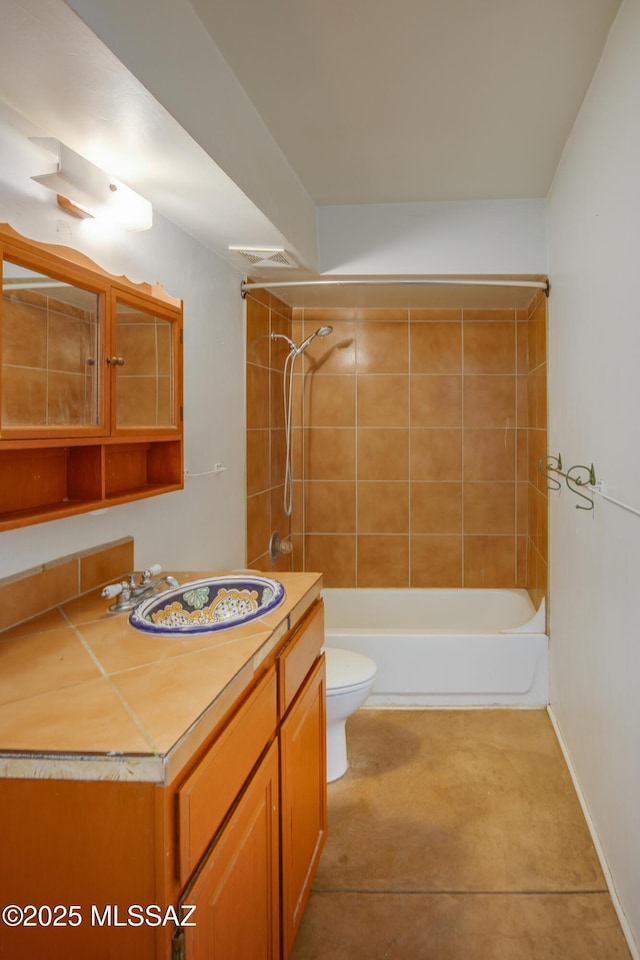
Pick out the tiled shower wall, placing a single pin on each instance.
(537, 527)
(265, 430)
(416, 441)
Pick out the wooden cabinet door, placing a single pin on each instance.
(303, 799)
(236, 893)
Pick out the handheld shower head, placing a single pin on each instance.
(320, 332)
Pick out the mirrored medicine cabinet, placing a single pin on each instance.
(90, 385)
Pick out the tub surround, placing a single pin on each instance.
(84, 695)
(416, 438)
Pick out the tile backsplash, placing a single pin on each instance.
(25, 595)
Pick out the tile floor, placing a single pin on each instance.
(457, 835)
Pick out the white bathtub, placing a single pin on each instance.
(444, 647)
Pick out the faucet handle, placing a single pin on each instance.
(152, 571)
(112, 591)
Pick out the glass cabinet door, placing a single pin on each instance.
(144, 363)
(50, 335)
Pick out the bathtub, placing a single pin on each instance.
(444, 647)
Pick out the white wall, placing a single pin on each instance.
(202, 526)
(594, 411)
(459, 237)
(205, 97)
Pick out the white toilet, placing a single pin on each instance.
(350, 679)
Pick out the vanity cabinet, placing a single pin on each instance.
(236, 894)
(90, 385)
(237, 833)
(303, 777)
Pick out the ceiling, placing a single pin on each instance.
(420, 100)
(417, 99)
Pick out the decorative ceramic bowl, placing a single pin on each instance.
(202, 606)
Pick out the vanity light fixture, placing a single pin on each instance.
(85, 190)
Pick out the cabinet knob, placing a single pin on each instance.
(116, 361)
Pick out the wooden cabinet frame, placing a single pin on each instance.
(238, 833)
(50, 471)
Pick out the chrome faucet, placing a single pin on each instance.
(130, 592)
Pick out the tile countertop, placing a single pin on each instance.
(84, 695)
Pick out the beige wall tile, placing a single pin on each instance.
(383, 347)
(383, 560)
(327, 316)
(258, 343)
(436, 561)
(436, 347)
(276, 408)
(106, 563)
(383, 400)
(258, 392)
(489, 347)
(258, 524)
(329, 401)
(489, 508)
(489, 561)
(521, 562)
(334, 556)
(435, 315)
(522, 348)
(23, 598)
(383, 454)
(436, 401)
(489, 454)
(505, 315)
(436, 508)
(278, 456)
(383, 507)
(436, 454)
(330, 507)
(329, 453)
(279, 521)
(489, 401)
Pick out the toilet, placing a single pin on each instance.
(350, 679)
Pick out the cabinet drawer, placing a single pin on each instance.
(209, 792)
(298, 657)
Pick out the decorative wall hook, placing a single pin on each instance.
(546, 464)
(574, 480)
(574, 477)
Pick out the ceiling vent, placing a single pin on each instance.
(266, 256)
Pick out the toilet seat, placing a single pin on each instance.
(347, 671)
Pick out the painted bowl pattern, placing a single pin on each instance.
(205, 605)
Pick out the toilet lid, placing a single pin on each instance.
(347, 669)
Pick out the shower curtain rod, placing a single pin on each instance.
(417, 281)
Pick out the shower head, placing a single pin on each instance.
(320, 332)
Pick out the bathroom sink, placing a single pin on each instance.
(202, 606)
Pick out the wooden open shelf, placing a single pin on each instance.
(46, 483)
